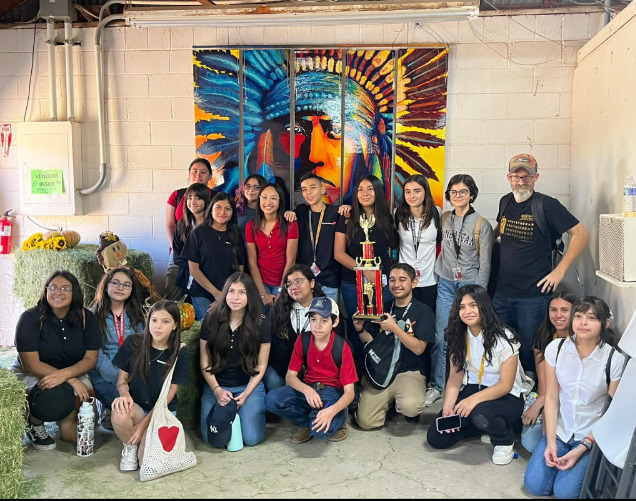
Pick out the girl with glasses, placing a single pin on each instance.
(288, 319)
(118, 309)
(272, 244)
(467, 240)
(247, 200)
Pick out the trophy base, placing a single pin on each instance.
(367, 317)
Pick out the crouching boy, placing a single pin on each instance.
(318, 404)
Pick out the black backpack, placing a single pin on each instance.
(336, 349)
(608, 366)
(382, 357)
(180, 194)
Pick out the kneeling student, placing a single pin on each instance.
(319, 404)
(413, 323)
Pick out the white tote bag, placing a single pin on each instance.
(165, 441)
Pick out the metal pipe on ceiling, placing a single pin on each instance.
(68, 47)
(50, 31)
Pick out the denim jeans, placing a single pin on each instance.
(542, 480)
(292, 405)
(446, 290)
(531, 436)
(252, 412)
(105, 392)
(331, 292)
(350, 301)
(272, 380)
(201, 305)
(524, 315)
(273, 290)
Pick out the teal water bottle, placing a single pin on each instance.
(236, 442)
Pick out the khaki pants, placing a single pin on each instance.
(408, 390)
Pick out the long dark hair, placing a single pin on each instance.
(74, 316)
(492, 327)
(403, 211)
(383, 220)
(259, 219)
(187, 223)
(602, 312)
(142, 343)
(241, 202)
(545, 333)
(218, 324)
(280, 314)
(232, 226)
(102, 304)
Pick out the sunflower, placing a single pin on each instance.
(32, 242)
(58, 243)
(43, 244)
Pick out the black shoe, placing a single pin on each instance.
(39, 437)
(413, 420)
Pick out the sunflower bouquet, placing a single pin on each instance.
(37, 241)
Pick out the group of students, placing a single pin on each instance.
(268, 340)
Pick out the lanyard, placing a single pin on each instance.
(314, 246)
(483, 361)
(119, 326)
(403, 314)
(416, 240)
(298, 331)
(457, 243)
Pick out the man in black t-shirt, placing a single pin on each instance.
(414, 325)
(317, 228)
(526, 279)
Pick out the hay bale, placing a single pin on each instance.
(32, 267)
(12, 422)
(189, 410)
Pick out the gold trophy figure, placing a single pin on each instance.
(368, 263)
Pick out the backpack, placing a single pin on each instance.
(608, 366)
(336, 349)
(382, 357)
(476, 233)
(180, 194)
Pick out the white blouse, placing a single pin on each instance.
(426, 252)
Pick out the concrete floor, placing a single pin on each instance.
(388, 463)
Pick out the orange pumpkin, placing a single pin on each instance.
(72, 237)
(187, 316)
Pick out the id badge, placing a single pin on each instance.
(457, 274)
(418, 273)
(315, 270)
(384, 280)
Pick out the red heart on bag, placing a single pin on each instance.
(168, 437)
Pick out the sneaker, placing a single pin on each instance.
(105, 421)
(504, 454)
(485, 439)
(340, 435)
(301, 436)
(129, 460)
(432, 396)
(39, 437)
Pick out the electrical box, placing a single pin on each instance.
(616, 243)
(50, 156)
(58, 9)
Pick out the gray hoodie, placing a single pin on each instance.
(475, 267)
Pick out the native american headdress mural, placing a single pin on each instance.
(343, 128)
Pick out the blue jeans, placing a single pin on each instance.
(531, 437)
(292, 405)
(541, 480)
(273, 290)
(524, 315)
(105, 392)
(252, 412)
(201, 305)
(331, 292)
(446, 290)
(272, 380)
(350, 301)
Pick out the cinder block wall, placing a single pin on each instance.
(510, 91)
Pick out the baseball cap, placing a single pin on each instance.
(219, 423)
(324, 306)
(523, 161)
(53, 404)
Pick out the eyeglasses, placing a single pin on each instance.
(55, 288)
(526, 179)
(458, 194)
(117, 284)
(296, 283)
(271, 199)
(252, 187)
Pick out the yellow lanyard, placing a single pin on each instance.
(314, 245)
(483, 361)
(555, 336)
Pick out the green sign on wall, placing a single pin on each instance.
(47, 182)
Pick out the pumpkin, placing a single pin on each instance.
(51, 234)
(72, 237)
(187, 316)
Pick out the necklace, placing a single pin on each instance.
(217, 234)
(157, 358)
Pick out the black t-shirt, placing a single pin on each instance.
(212, 250)
(381, 247)
(419, 322)
(525, 251)
(57, 343)
(329, 268)
(145, 394)
(233, 375)
(183, 274)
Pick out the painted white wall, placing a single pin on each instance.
(510, 91)
(603, 146)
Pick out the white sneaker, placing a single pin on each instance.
(432, 395)
(485, 439)
(129, 461)
(504, 454)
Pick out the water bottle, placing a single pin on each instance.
(86, 429)
(629, 197)
(236, 442)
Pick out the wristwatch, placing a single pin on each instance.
(586, 443)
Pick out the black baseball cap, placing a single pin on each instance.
(219, 423)
(53, 404)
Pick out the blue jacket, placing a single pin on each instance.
(110, 347)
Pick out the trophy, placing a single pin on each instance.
(373, 309)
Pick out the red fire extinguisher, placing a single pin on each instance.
(5, 232)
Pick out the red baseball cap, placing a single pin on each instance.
(523, 161)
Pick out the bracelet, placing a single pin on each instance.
(360, 331)
(214, 389)
(263, 296)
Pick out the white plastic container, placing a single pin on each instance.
(86, 429)
(629, 197)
